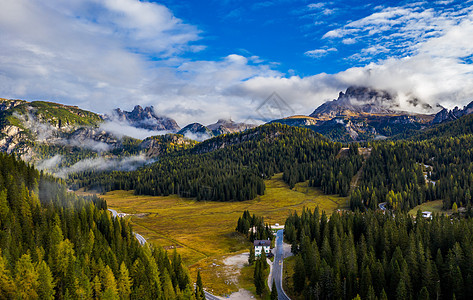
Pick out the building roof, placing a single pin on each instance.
(262, 243)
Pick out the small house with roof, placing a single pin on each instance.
(262, 245)
(427, 214)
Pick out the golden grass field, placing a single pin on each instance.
(432, 206)
(204, 232)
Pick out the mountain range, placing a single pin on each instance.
(363, 113)
(42, 130)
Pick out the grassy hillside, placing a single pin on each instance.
(53, 113)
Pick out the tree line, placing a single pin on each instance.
(408, 173)
(233, 167)
(56, 245)
(379, 256)
(253, 227)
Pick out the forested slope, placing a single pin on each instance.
(408, 173)
(378, 256)
(54, 244)
(232, 167)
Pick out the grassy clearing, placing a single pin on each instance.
(204, 232)
(432, 206)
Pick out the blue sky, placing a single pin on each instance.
(285, 31)
(204, 60)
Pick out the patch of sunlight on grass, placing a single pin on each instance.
(432, 206)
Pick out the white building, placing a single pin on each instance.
(427, 214)
(261, 245)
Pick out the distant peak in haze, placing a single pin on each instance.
(145, 118)
(228, 126)
(366, 100)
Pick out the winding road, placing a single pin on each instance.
(382, 205)
(138, 236)
(278, 265)
(114, 212)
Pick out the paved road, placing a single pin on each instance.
(382, 205)
(114, 212)
(138, 236)
(278, 265)
(209, 296)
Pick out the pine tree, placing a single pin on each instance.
(109, 284)
(424, 294)
(258, 276)
(124, 282)
(26, 278)
(168, 288)
(45, 282)
(97, 287)
(7, 286)
(251, 258)
(199, 288)
(299, 276)
(383, 295)
(274, 291)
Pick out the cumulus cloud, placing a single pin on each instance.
(437, 74)
(118, 53)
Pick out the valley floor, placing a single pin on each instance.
(204, 232)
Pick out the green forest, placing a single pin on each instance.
(379, 256)
(232, 167)
(56, 245)
(408, 173)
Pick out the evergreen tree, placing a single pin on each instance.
(199, 288)
(259, 275)
(424, 294)
(26, 278)
(7, 285)
(299, 276)
(274, 291)
(251, 258)
(124, 283)
(109, 284)
(45, 282)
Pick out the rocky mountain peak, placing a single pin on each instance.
(146, 118)
(228, 126)
(450, 115)
(358, 100)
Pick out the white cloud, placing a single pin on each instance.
(399, 29)
(313, 6)
(50, 163)
(317, 53)
(349, 41)
(105, 164)
(436, 74)
(121, 129)
(96, 54)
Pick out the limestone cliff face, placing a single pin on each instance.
(145, 118)
(363, 113)
(449, 115)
